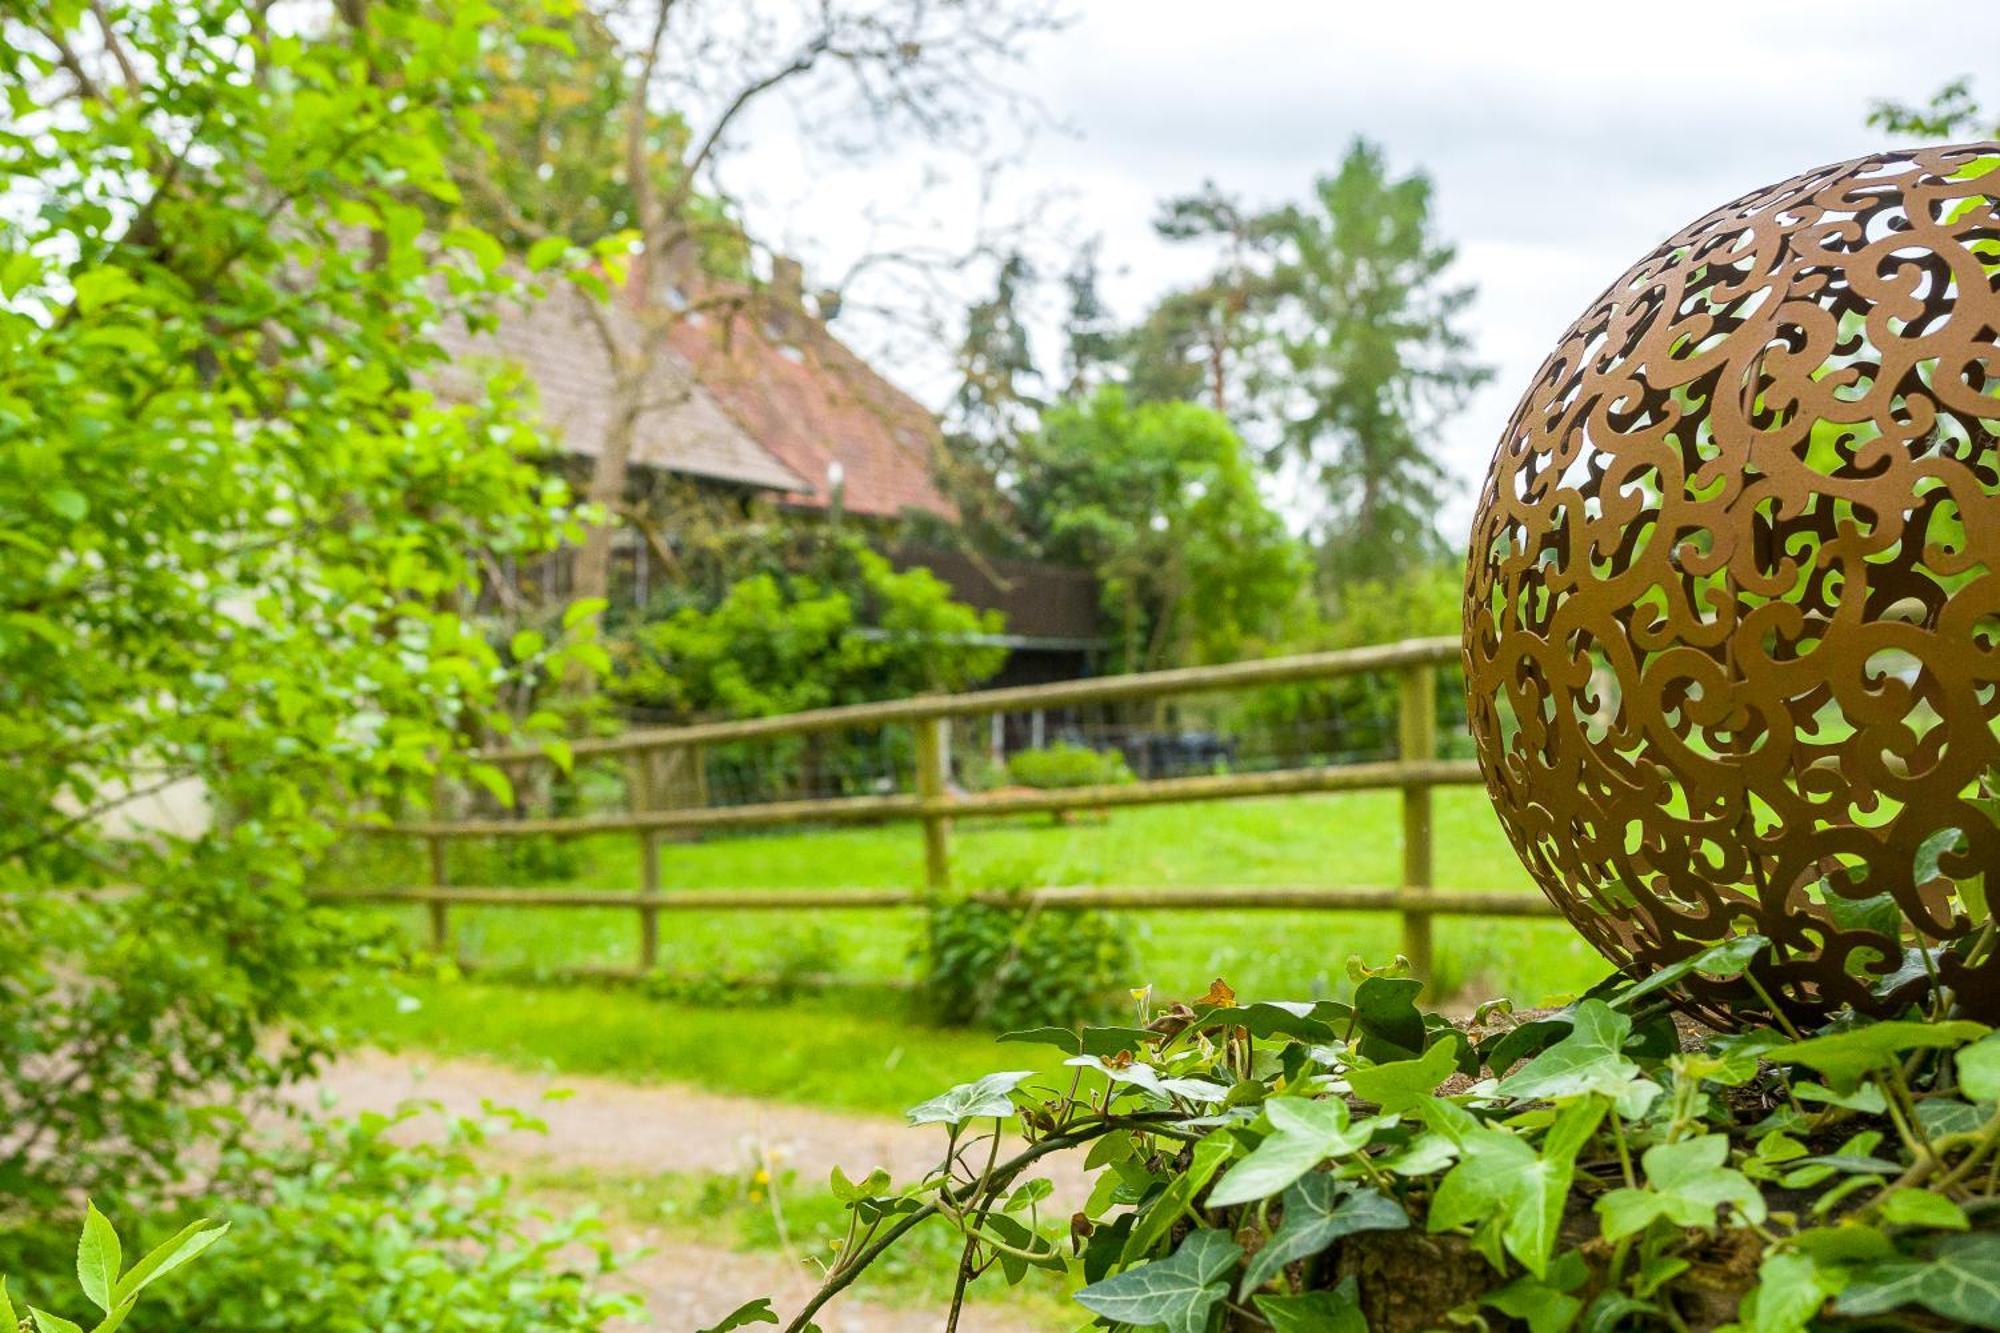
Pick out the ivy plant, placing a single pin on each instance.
(1334, 1165)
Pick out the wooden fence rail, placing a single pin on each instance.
(649, 753)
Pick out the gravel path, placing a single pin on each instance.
(606, 1124)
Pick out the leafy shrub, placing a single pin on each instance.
(1348, 1165)
(781, 642)
(234, 547)
(1063, 765)
(353, 1228)
(1014, 967)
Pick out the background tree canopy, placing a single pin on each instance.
(1161, 500)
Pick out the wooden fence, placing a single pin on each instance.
(934, 805)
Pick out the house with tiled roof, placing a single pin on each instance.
(757, 398)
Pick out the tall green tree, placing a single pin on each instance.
(1952, 111)
(1161, 499)
(1203, 341)
(1000, 389)
(236, 538)
(1374, 359)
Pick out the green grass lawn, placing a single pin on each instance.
(1338, 840)
(850, 1049)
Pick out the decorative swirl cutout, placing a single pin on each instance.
(1732, 620)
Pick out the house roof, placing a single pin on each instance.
(682, 429)
(807, 398)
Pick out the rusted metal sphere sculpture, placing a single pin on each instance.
(1732, 619)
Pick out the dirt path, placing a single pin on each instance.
(610, 1125)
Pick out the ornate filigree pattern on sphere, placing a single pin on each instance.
(1732, 622)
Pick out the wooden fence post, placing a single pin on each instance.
(440, 926)
(640, 773)
(933, 776)
(1417, 743)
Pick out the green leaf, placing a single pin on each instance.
(1319, 1210)
(1147, 1078)
(1501, 1177)
(547, 252)
(969, 1101)
(100, 287)
(1286, 1018)
(525, 644)
(1546, 1307)
(1175, 1294)
(758, 1311)
(495, 780)
(847, 1191)
(1385, 1009)
(1961, 1282)
(1166, 1209)
(1303, 1134)
(1685, 1183)
(1402, 1084)
(8, 1319)
(1590, 1059)
(1921, 1208)
(66, 503)
(582, 609)
(1727, 959)
(1948, 1115)
(1979, 1069)
(170, 1254)
(51, 1323)
(1845, 1058)
(1789, 1292)
(1101, 1042)
(98, 1258)
(1336, 1311)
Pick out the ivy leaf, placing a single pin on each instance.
(1500, 1177)
(1789, 1292)
(1303, 1134)
(1336, 1311)
(1148, 1079)
(98, 1258)
(1546, 1307)
(1960, 1282)
(1175, 1294)
(1402, 1084)
(1318, 1211)
(1607, 1313)
(1106, 1041)
(1167, 1208)
(1685, 1183)
(758, 1311)
(1845, 1058)
(1385, 1009)
(1285, 1018)
(1948, 1115)
(1727, 959)
(1979, 1069)
(1590, 1059)
(1921, 1208)
(968, 1101)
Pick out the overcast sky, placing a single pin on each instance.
(1564, 139)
